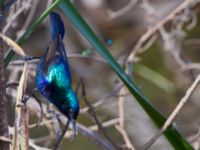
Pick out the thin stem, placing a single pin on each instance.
(3, 101)
(93, 114)
(31, 29)
(172, 116)
(57, 144)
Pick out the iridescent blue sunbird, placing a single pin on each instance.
(53, 77)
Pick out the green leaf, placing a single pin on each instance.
(154, 77)
(35, 24)
(173, 136)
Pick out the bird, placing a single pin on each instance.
(53, 77)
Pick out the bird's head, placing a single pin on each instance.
(73, 112)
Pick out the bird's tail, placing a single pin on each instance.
(57, 26)
(57, 35)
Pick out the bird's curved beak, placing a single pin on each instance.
(74, 128)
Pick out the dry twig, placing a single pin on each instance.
(121, 127)
(93, 114)
(154, 29)
(172, 116)
(125, 9)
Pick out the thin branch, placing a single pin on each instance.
(20, 137)
(3, 100)
(172, 116)
(5, 139)
(121, 108)
(60, 138)
(105, 124)
(83, 130)
(94, 137)
(36, 147)
(125, 9)
(160, 24)
(93, 114)
(102, 100)
(120, 127)
(33, 8)
(70, 56)
(14, 14)
(191, 66)
(31, 141)
(12, 84)
(125, 137)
